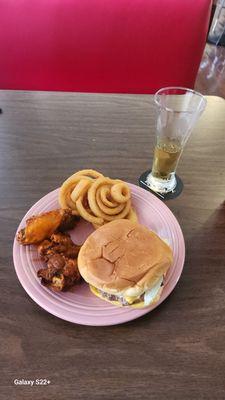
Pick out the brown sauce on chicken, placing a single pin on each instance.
(60, 254)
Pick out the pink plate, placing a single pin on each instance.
(79, 305)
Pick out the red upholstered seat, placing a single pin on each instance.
(125, 46)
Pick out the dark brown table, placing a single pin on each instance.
(175, 352)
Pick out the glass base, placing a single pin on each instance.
(161, 185)
(165, 196)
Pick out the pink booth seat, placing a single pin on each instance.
(123, 46)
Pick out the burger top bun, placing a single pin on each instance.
(124, 258)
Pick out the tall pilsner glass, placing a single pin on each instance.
(178, 110)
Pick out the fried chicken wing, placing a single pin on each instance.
(42, 226)
(61, 273)
(60, 254)
(59, 243)
(55, 248)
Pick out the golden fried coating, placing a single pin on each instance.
(42, 226)
(96, 198)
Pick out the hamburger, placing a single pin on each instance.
(125, 263)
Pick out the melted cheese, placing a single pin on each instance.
(152, 295)
(130, 299)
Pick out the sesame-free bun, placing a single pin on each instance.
(124, 258)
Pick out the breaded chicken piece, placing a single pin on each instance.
(42, 226)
